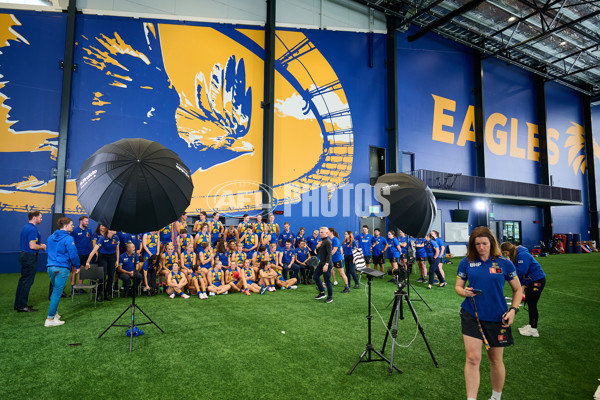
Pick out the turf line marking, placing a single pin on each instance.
(573, 295)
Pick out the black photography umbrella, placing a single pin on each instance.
(412, 204)
(134, 185)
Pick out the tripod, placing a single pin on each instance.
(132, 307)
(410, 285)
(397, 311)
(369, 348)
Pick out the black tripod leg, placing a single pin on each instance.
(414, 313)
(111, 325)
(131, 327)
(397, 312)
(149, 319)
(421, 297)
(389, 325)
(359, 360)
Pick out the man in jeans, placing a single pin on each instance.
(62, 253)
(324, 267)
(30, 247)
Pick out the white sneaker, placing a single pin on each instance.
(530, 332)
(56, 316)
(185, 296)
(225, 292)
(204, 296)
(53, 322)
(334, 283)
(212, 293)
(524, 328)
(172, 295)
(293, 287)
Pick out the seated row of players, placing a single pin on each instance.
(241, 275)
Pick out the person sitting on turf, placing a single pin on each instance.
(198, 283)
(233, 277)
(151, 267)
(261, 255)
(249, 277)
(281, 282)
(176, 281)
(267, 277)
(129, 268)
(216, 280)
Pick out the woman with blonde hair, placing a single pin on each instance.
(533, 280)
(485, 317)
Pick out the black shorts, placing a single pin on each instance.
(367, 259)
(495, 333)
(420, 258)
(337, 264)
(403, 256)
(393, 259)
(378, 260)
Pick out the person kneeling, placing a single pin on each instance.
(176, 281)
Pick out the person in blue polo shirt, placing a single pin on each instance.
(337, 258)
(82, 236)
(30, 246)
(403, 241)
(393, 251)
(435, 235)
(62, 254)
(302, 255)
(312, 242)
(485, 317)
(378, 248)
(129, 268)
(433, 254)
(287, 259)
(420, 256)
(533, 280)
(286, 235)
(365, 241)
(107, 247)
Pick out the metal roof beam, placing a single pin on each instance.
(448, 17)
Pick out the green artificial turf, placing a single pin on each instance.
(234, 347)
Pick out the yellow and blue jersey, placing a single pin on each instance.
(215, 227)
(259, 228)
(166, 234)
(273, 257)
(207, 255)
(170, 259)
(239, 256)
(176, 276)
(262, 257)
(249, 241)
(244, 226)
(203, 237)
(187, 259)
(184, 241)
(152, 242)
(217, 276)
(249, 273)
(231, 271)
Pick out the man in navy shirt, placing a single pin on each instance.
(285, 235)
(30, 246)
(365, 241)
(302, 254)
(129, 267)
(287, 260)
(82, 236)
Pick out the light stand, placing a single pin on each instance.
(132, 307)
(371, 273)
